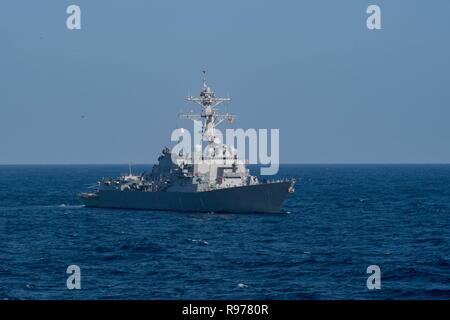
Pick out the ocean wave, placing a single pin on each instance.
(71, 206)
(199, 241)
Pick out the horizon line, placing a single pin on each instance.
(285, 163)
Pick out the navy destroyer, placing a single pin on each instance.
(209, 180)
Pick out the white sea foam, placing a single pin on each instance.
(71, 206)
(199, 241)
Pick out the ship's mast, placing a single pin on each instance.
(209, 116)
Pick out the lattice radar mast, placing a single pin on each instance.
(210, 117)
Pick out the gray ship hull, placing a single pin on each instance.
(267, 197)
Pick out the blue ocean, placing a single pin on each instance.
(340, 220)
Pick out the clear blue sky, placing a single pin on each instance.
(338, 92)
